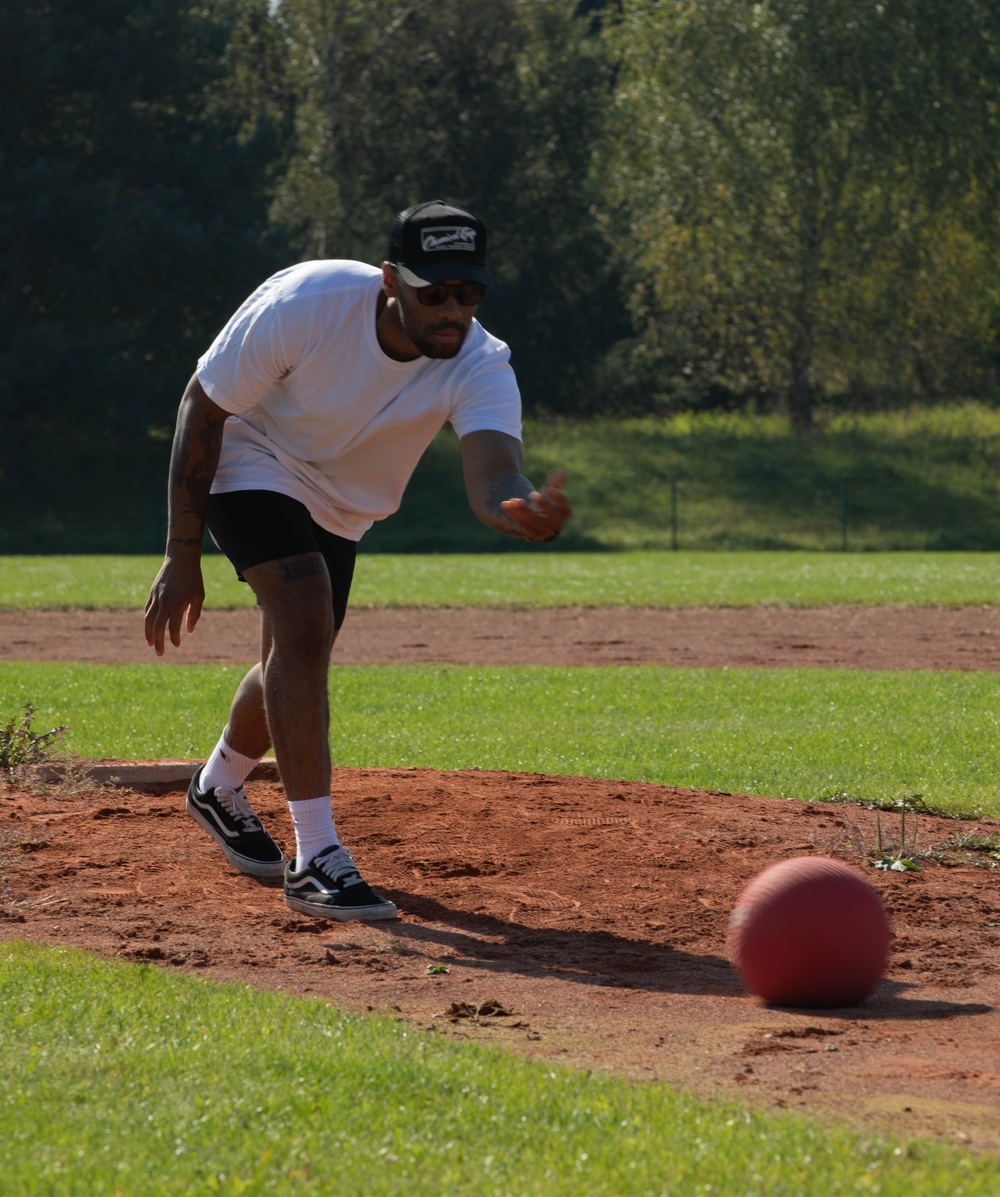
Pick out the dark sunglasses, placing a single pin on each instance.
(467, 295)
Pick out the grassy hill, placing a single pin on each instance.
(921, 479)
(925, 478)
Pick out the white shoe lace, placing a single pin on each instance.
(338, 863)
(237, 806)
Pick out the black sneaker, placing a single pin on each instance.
(330, 887)
(228, 818)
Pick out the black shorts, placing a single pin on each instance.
(256, 526)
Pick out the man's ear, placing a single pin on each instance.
(390, 280)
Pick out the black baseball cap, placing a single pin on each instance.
(434, 241)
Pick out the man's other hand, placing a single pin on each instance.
(543, 513)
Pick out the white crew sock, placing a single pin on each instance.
(226, 767)
(314, 828)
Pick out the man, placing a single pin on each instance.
(299, 429)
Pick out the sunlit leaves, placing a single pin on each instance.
(799, 189)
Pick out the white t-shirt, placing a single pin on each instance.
(321, 414)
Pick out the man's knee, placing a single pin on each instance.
(296, 604)
(304, 632)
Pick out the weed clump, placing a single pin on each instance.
(20, 746)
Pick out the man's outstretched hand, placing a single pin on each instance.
(543, 513)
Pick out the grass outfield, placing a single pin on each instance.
(124, 1078)
(796, 733)
(129, 1079)
(546, 579)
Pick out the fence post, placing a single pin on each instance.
(673, 513)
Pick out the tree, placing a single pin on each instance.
(493, 104)
(781, 172)
(137, 168)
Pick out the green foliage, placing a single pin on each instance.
(876, 737)
(19, 745)
(497, 108)
(118, 1078)
(804, 191)
(133, 212)
(712, 204)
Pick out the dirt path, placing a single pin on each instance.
(579, 920)
(845, 637)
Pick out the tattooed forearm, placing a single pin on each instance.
(197, 457)
(502, 497)
(510, 486)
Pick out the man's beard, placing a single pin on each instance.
(431, 348)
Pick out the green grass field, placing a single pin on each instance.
(547, 579)
(124, 1079)
(798, 733)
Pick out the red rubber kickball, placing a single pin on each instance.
(811, 932)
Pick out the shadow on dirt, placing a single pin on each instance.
(589, 956)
